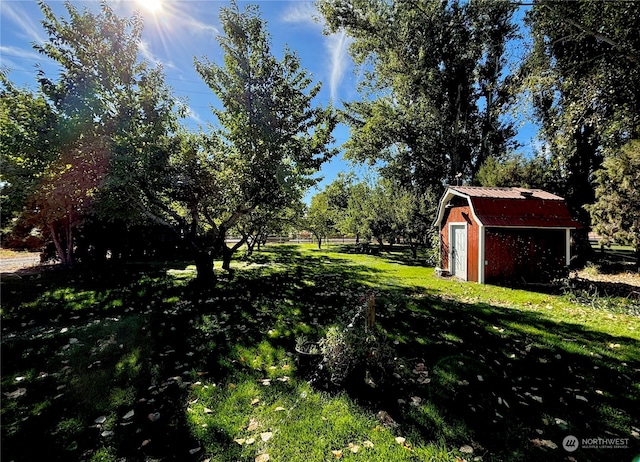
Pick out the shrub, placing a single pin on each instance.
(351, 353)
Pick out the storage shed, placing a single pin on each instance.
(503, 234)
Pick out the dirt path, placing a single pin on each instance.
(629, 278)
(13, 264)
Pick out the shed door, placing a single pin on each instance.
(458, 235)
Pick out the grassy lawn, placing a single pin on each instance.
(133, 364)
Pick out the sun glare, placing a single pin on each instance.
(153, 6)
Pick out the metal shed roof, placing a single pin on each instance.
(512, 207)
(505, 193)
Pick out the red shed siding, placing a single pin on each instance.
(538, 213)
(529, 254)
(461, 214)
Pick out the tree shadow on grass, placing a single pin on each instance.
(397, 253)
(501, 379)
(514, 378)
(65, 347)
(515, 382)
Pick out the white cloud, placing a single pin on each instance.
(20, 53)
(338, 47)
(337, 44)
(32, 29)
(147, 54)
(193, 115)
(188, 22)
(303, 13)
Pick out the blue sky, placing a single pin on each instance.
(176, 31)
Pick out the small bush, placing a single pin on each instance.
(353, 353)
(592, 269)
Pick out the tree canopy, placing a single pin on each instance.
(102, 142)
(434, 87)
(582, 75)
(616, 212)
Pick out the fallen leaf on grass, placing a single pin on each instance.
(386, 419)
(368, 444)
(534, 397)
(100, 420)
(400, 440)
(250, 440)
(262, 458)
(537, 442)
(206, 410)
(254, 401)
(284, 379)
(240, 441)
(337, 453)
(16, 394)
(128, 415)
(560, 423)
(354, 448)
(253, 425)
(280, 408)
(154, 416)
(266, 436)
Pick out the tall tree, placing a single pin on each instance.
(413, 216)
(27, 146)
(320, 217)
(269, 129)
(354, 220)
(434, 84)
(517, 170)
(100, 102)
(616, 212)
(583, 75)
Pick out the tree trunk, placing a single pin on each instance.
(250, 245)
(583, 252)
(204, 268)
(319, 242)
(379, 239)
(227, 253)
(226, 258)
(62, 244)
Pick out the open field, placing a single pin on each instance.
(134, 364)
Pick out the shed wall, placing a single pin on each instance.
(524, 254)
(461, 214)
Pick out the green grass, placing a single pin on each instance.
(136, 364)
